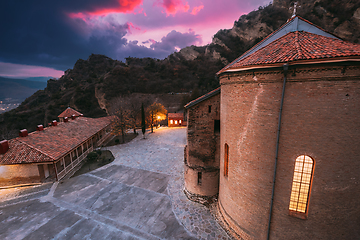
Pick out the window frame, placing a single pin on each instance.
(297, 213)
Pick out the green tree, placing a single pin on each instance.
(143, 120)
(156, 112)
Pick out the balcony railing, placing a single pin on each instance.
(103, 139)
(73, 164)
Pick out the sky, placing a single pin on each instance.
(42, 38)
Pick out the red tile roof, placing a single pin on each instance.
(69, 112)
(175, 115)
(298, 40)
(296, 46)
(20, 152)
(53, 142)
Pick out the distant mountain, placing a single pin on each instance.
(18, 88)
(38, 79)
(93, 84)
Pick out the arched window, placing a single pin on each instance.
(301, 186)
(226, 160)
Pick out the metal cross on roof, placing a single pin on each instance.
(295, 7)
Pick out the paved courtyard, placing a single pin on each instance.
(138, 196)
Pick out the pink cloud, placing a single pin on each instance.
(197, 9)
(123, 6)
(24, 71)
(131, 25)
(173, 6)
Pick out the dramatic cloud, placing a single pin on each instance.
(197, 9)
(173, 6)
(119, 6)
(25, 71)
(175, 40)
(55, 34)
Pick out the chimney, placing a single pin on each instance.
(66, 119)
(23, 133)
(73, 116)
(4, 146)
(39, 128)
(54, 123)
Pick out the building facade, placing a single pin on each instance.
(202, 154)
(69, 113)
(176, 120)
(51, 153)
(289, 152)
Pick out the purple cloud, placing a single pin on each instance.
(55, 34)
(175, 40)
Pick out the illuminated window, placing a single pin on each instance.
(171, 121)
(301, 187)
(226, 160)
(179, 121)
(175, 121)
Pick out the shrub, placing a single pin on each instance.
(92, 157)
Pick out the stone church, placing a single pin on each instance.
(278, 142)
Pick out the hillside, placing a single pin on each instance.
(93, 84)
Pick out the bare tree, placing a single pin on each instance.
(156, 112)
(121, 122)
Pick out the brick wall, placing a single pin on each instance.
(202, 151)
(321, 119)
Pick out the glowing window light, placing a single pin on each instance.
(175, 121)
(171, 121)
(179, 121)
(300, 190)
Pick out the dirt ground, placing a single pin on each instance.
(118, 139)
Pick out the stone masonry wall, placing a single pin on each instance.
(202, 151)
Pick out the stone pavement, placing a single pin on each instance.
(138, 196)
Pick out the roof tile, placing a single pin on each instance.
(296, 46)
(69, 112)
(53, 142)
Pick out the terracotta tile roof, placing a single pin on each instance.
(69, 112)
(203, 97)
(297, 40)
(296, 46)
(20, 152)
(175, 115)
(53, 142)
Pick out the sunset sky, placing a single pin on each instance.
(44, 38)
